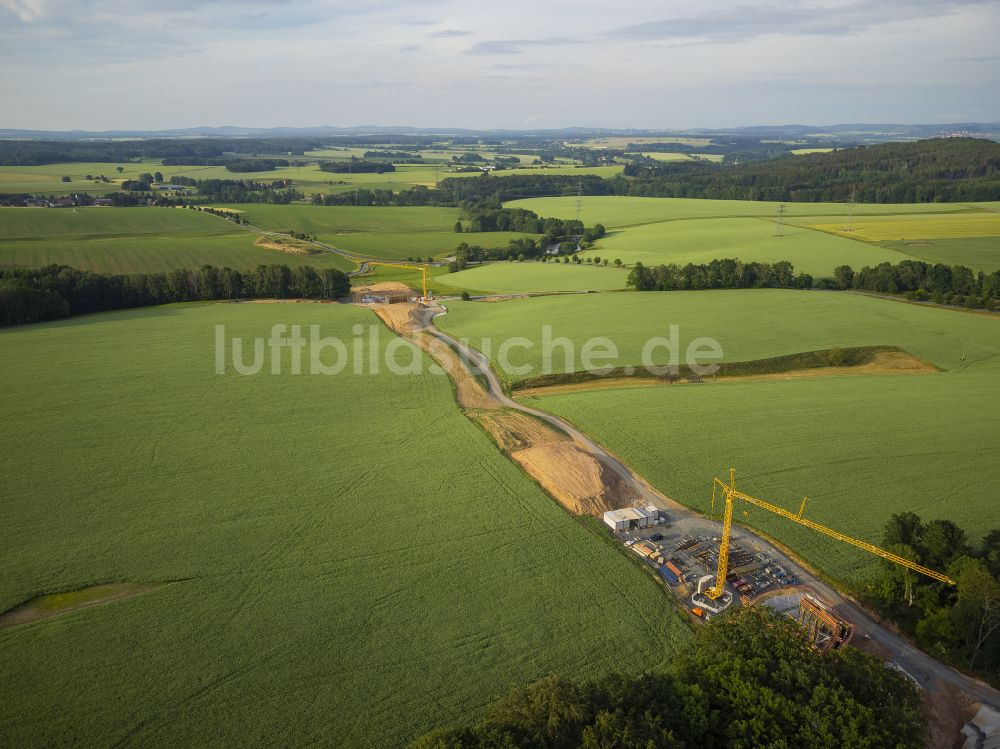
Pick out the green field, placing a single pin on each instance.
(136, 240)
(656, 231)
(515, 278)
(748, 323)
(978, 253)
(348, 603)
(616, 211)
(749, 239)
(861, 447)
(375, 231)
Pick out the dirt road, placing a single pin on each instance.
(926, 671)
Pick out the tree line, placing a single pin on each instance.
(934, 170)
(915, 279)
(356, 166)
(750, 679)
(958, 623)
(727, 273)
(56, 291)
(181, 151)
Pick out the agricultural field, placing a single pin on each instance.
(749, 239)
(748, 323)
(375, 231)
(978, 253)
(136, 240)
(616, 211)
(527, 277)
(348, 604)
(668, 230)
(861, 447)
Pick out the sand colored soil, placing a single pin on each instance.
(883, 362)
(288, 246)
(572, 476)
(577, 480)
(405, 319)
(385, 286)
(54, 604)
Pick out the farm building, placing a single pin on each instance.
(632, 517)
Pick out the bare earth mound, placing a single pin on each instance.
(54, 604)
(575, 478)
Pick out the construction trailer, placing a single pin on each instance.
(629, 518)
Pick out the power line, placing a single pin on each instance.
(779, 226)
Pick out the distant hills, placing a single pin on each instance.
(850, 132)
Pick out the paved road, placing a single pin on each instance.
(921, 667)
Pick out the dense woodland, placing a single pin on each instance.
(57, 291)
(959, 623)
(728, 273)
(937, 170)
(750, 680)
(356, 166)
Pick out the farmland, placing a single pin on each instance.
(309, 581)
(515, 278)
(379, 232)
(861, 447)
(136, 240)
(749, 239)
(815, 236)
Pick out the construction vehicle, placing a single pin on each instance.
(424, 272)
(710, 597)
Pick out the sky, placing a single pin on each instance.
(517, 64)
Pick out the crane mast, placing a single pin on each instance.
(730, 493)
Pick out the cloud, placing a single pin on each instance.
(516, 46)
(26, 10)
(449, 33)
(753, 21)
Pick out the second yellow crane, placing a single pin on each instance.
(731, 494)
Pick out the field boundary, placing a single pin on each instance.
(853, 356)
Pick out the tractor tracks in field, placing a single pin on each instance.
(931, 675)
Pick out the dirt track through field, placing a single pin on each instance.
(572, 475)
(572, 483)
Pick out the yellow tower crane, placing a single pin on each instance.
(424, 271)
(731, 494)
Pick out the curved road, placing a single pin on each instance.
(917, 664)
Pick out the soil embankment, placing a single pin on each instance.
(574, 477)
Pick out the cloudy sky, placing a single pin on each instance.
(102, 64)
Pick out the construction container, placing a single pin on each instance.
(669, 576)
(673, 568)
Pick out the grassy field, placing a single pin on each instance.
(667, 230)
(978, 253)
(514, 278)
(861, 447)
(901, 228)
(381, 232)
(136, 240)
(749, 239)
(748, 323)
(616, 211)
(320, 598)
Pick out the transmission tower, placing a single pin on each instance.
(779, 225)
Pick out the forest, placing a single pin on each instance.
(750, 680)
(960, 623)
(56, 291)
(935, 170)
